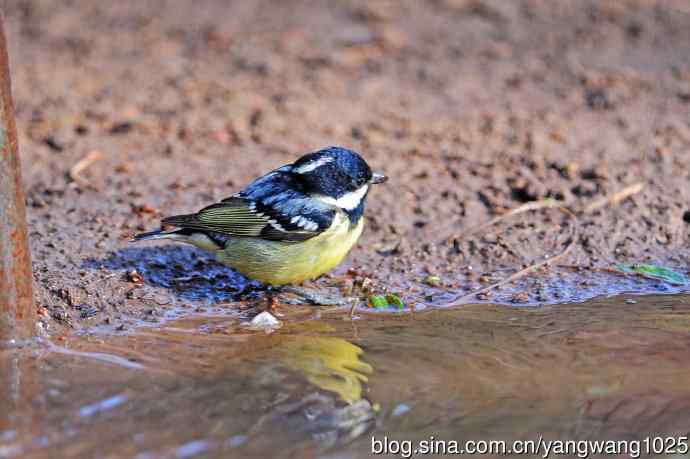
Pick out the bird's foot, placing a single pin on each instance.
(272, 303)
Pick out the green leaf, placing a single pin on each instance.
(395, 301)
(377, 302)
(654, 272)
(385, 301)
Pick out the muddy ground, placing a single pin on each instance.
(472, 107)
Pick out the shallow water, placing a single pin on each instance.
(612, 368)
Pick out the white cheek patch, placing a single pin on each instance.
(312, 165)
(347, 201)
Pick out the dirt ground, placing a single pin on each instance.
(472, 107)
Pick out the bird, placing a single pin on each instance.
(288, 226)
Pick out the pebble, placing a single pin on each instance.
(520, 297)
(264, 321)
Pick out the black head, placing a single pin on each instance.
(334, 172)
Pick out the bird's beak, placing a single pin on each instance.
(377, 178)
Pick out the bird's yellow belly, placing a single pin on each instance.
(279, 263)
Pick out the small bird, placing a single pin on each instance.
(290, 225)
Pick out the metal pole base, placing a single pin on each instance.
(17, 312)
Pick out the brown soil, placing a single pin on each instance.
(472, 107)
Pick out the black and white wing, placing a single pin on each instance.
(272, 208)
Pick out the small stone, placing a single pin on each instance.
(432, 280)
(134, 277)
(264, 321)
(54, 143)
(520, 297)
(143, 209)
(122, 127)
(484, 295)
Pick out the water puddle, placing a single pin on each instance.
(613, 368)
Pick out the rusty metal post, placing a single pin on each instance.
(17, 313)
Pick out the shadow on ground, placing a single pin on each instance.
(187, 273)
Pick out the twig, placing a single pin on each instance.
(87, 161)
(569, 245)
(616, 197)
(352, 309)
(537, 205)
(527, 207)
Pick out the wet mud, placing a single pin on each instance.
(471, 107)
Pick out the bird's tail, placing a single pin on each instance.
(158, 234)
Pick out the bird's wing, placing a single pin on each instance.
(280, 219)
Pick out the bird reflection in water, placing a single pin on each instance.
(330, 363)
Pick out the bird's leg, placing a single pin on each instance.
(272, 298)
(315, 297)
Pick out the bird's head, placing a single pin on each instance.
(337, 176)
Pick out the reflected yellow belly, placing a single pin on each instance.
(279, 263)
